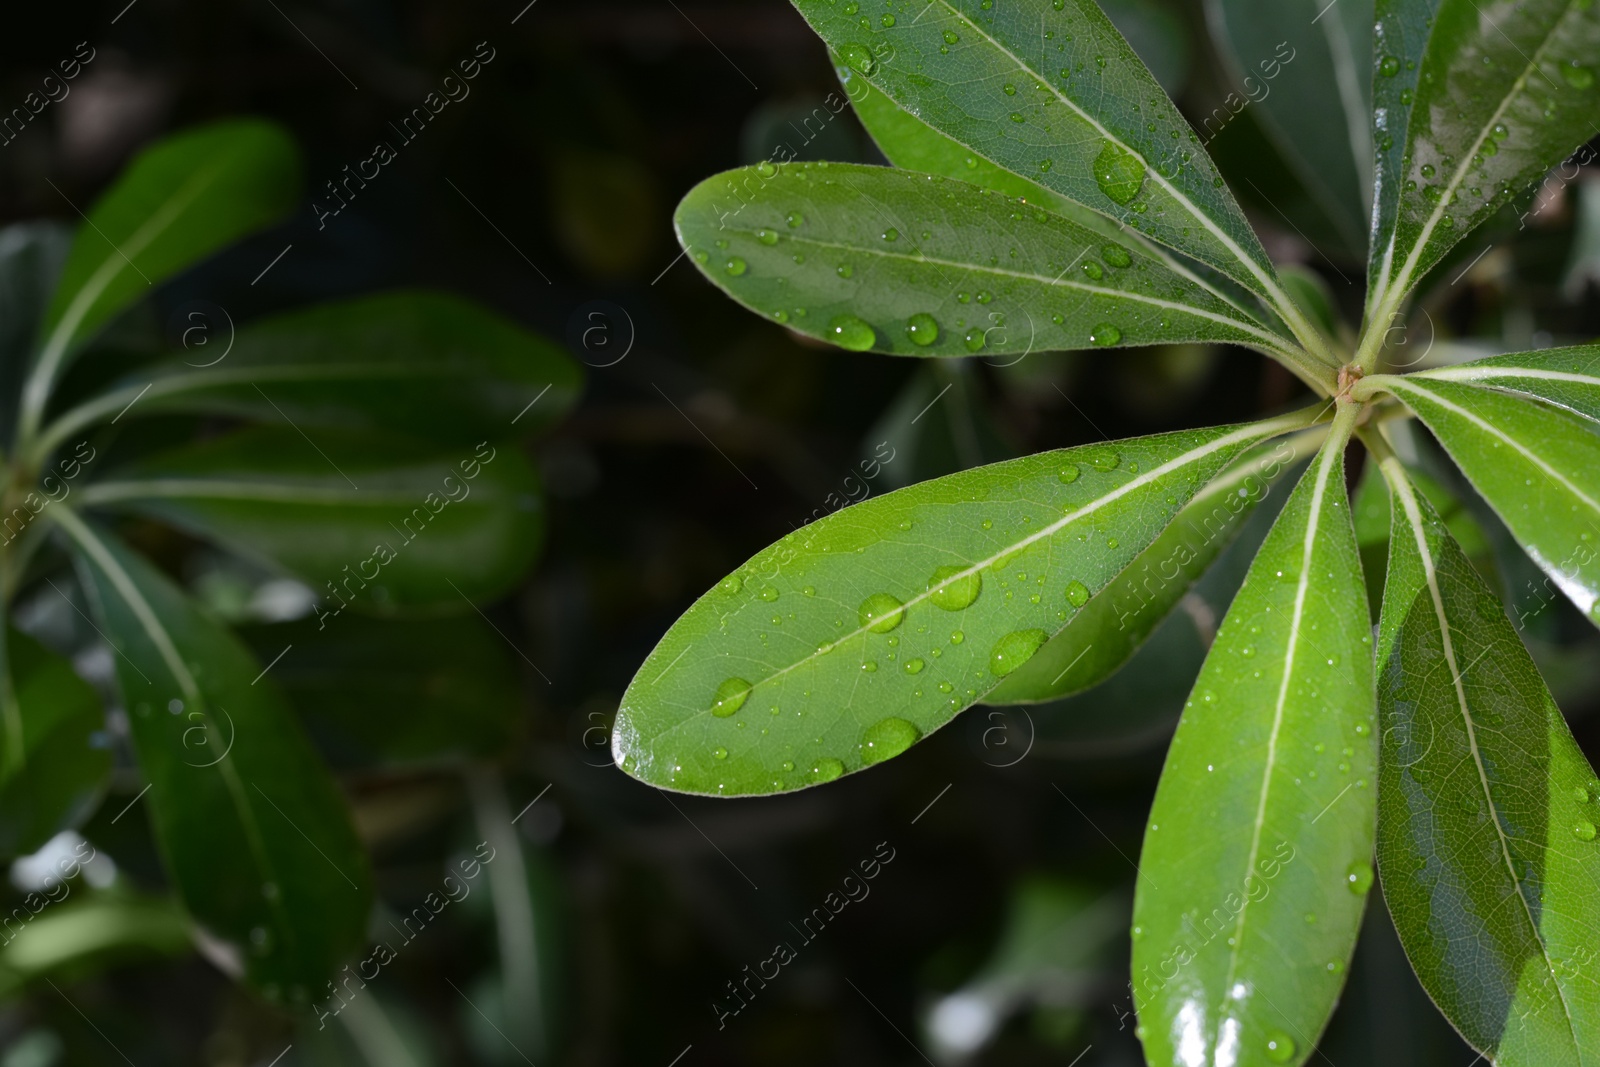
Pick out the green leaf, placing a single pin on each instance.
(255, 834)
(1308, 69)
(940, 422)
(1258, 853)
(58, 777)
(842, 644)
(1503, 94)
(1400, 36)
(104, 929)
(384, 522)
(915, 264)
(1566, 377)
(31, 256)
(1537, 466)
(1115, 623)
(1056, 95)
(1487, 813)
(425, 364)
(447, 687)
(179, 201)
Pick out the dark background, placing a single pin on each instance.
(548, 194)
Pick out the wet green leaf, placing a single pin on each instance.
(179, 201)
(379, 522)
(1054, 94)
(1115, 623)
(418, 363)
(841, 645)
(1566, 377)
(61, 770)
(1487, 815)
(1399, 38)
(1537, 466)
(1307, 67)
(914, 264)
(1504, 92)
(254, 833)
(1258, 853)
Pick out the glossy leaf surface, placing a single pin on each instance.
(384, 521)
(253, 831)
(178, 202)
(913, 264)
(1308, 69)
(1115, 623)
(59, 775)
(422, 364)
(1056, 95)
(841, 645)
(1566, 377)
(1538, 466)
(1258, 852)
(1488, 808)
(447, 687)
(1399, 38)
(1505, 91)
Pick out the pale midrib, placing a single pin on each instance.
(1403, 280)
(183, 488)
(1255, 431)
(1396, 476)
(1205, 221)
(159, 637)
(1476, 374)
(1266, 337)
(1307, 550)
(1550, 472)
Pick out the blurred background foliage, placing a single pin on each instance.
(615, 923)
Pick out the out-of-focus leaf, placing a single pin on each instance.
(1503, 93)
(1276, 735)
(1583, 263)
(603, 206)
(75, 937)
(1308, 68)
(179, 201)
(446, 687)
(1111, 627)
(1056, 95)
(1566, 377)
(920, 265)
(384, 522)
(849, 640)
(254, 833)
(57, 777)
(1486, 820)
(31, 257)
(1055, 950)
(1157, 35)
(1537, 466)
(427, 365)
(373, 1030)
(939, 424)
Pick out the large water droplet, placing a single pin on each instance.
(1359, 878)
(826, 769)
(1116, 255)
(952, 593)
(1077, 594)
(859, 58)
(1280, 1047)
(1015, 649)
(974, 340)
(736, 266)
(1068, 474)
(731, 584)
(1583, 830)
(767, 237)
(881, 613)
(1093, 271)
(849, 332)
(1105, 334)
(1119, 173)
(886, 739)
(1389, 66)
(1577, 75)
(914, 666)
(730, 697)
(923, 329)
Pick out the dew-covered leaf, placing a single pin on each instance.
(1259, 848)
(850, 639)
(1566, 377)
(381, 522)
(1486, 820)
(872, 258)
(1538, 467)
(1307, 67)
(1504, 91)
(252, 829)
(1399, 38)
(1115, 623)
(1054, 94)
